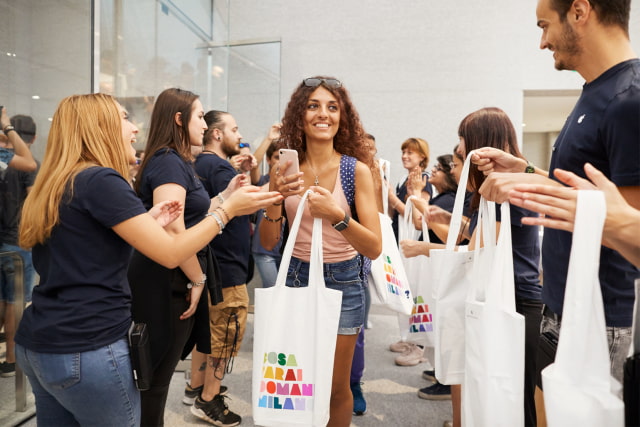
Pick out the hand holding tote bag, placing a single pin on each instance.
(493, 391)
(578, 387)
(294, 342)
(453, 272)
(419, 324)
(388, 274)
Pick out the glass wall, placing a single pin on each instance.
(45, 55)
(132, 50)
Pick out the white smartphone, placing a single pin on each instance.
(285, 155)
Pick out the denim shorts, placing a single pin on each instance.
(344, 276)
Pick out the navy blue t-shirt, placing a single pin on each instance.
(167, 167)
(604, 130)
(83, 300)
(525, 244)
(233, 247)
(445, 201)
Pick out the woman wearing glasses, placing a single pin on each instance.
(322, 124)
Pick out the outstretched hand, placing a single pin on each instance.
(166, 212)
(248, 199)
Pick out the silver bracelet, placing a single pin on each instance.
(220, 198)
(197, 284)
(215, 216)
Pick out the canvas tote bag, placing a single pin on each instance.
(452, 273)
(493, 390)
(419, 324)
(294, 342)
(387, 271)
(578, 387)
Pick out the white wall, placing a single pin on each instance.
(413, 67)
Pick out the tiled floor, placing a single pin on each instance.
(390, 390)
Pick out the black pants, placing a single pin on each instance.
(532, 312)
(153, 400)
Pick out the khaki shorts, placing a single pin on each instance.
(227, 321)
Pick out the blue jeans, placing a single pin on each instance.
(7, 274)
(343, 276)
(90, 388)
(268, 268)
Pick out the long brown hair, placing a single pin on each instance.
(164, 132)
(487, 127)
(86, 131)
(350, 138)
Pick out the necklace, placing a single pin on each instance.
(317, 180)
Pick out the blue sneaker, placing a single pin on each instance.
(359, 404)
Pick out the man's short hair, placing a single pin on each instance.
(610, 12)
(25, 126)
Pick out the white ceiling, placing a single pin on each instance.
(546, 111)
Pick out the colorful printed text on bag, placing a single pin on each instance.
(421, 317)
(394, 284)
(283, 385)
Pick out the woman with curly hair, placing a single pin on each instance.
(322, 124)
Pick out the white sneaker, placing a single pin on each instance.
(411, 357)
(401, 346)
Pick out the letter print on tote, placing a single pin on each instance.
(394, 284)
(283, 384)
(421, 318)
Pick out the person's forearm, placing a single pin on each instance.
(271, 226)
(22, 152)
(622, 235)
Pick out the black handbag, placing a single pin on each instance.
(140, 353)
(631, 379)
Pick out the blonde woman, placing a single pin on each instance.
(81, 219)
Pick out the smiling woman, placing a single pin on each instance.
(335, 164)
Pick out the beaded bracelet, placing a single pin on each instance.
(214, 215)
(224, 212)
(264, 214)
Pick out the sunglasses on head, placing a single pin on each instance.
(313, 82)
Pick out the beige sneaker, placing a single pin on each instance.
(401, 346)
(413, 356)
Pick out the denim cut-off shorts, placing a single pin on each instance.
(343, 276)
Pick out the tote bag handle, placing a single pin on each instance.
(316, 261)
(385, 190)
(456, 216)
(583, 309)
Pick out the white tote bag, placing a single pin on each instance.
(452, 273)
(388, 274)
(294, 342)
(578, 387)
(419, 324)
(493, 391)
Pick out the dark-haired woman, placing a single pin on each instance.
(491, 127)
(167, 299)
(322, 124)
